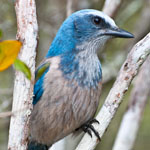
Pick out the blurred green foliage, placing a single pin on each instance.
(1, 33)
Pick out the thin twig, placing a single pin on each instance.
(111, 6)
(6, 114)
(69, 7)
(111, 68)
(10, 113)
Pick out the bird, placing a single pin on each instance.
(68, 81)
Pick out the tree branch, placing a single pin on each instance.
(111, 68)
(69, 10)
(131, 120)
(111, 6)
(23, 88)
(127, 72)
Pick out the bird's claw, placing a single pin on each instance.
(88, 127)
(94, 121)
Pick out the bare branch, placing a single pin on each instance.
(144, 17)
(6, 114)
(111, 6)
(132, 8)
(127, 72)
(131, 120)
(27, 33)
(69, 7)
(10, 113)
(111, 68)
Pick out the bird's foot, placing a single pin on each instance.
(88, 127)
(94, 121)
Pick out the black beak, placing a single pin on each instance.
(116, 32)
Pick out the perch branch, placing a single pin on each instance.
(69, 7)
(131, 120)
(128, 71)
(22, 98)
(111, 6)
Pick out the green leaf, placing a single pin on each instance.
(1, 33)
(21, 66)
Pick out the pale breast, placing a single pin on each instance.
(64, 106)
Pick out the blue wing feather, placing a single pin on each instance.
(38, 88)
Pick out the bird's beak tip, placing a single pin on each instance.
(125, 34)
(117, 32)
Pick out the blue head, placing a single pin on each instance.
(85, 26)
(77, 42)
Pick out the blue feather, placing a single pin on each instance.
(68, 63)
(73, 70)
(72, 88)
(75, 32)
(38, 88)
(64, 34)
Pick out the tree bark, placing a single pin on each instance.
(128, 71)
(111, 10)
(23, 88)
(69, 10)
(131, 120)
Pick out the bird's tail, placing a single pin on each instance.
(36, 146)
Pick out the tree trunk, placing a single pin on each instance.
(23, 88)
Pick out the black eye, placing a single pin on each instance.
(97, 20)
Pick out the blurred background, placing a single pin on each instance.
(132, 15)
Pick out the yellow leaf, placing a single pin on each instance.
(9, 50)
